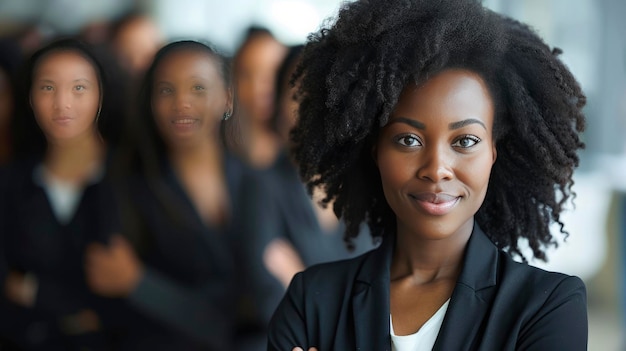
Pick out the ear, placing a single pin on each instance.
(230, 101)
(494, 152)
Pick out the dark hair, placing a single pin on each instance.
(284, 75)
(147, 145)
(28, 137)
(351, 77)
(251, 33)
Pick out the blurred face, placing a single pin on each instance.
(6, 100)
(189, 98)
(137, 43)
(257, 65)
(288, 108)
(65, 95)
(435, 154)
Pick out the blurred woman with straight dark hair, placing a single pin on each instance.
(56, 200)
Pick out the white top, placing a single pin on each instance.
(64, 197)
(424, 339)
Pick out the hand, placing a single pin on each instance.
(113, 270)
(282, 260)
(21, 288)
(85, 321)
(300, 349)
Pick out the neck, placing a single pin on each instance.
(427, 260)
(207, 151)
(263, 147)
(75, 159)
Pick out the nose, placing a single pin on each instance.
(62, 99)
(182, 102)
(436, 164)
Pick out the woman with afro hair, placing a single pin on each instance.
(453, 132)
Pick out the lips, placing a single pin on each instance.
(62, 119)
(435, 198)
(436, 204)
(184, 121)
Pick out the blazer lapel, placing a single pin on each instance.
(370, 300)
(471, 297)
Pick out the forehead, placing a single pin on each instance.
(183, 62)
(450, 94)
(65, 62)
(261, 50)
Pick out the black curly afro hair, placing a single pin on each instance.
(353, 70)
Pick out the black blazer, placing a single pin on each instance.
(497, 304)
(33, 240)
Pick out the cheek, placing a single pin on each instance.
(160, 108)
(42, 107)
(395, 169)
(477, 172)
(214, 106)
(89, 105)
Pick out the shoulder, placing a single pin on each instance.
(540, 291)
(549, 307)
(527, 275)
(326, 281)
(15, 176)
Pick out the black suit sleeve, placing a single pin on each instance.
(188, 309)
(288, 327)
(561, 323)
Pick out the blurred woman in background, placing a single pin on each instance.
(180, 185)
(56, 201)
(256, 65)
(10, 59)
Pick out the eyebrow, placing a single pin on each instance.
(451, 126)
(463, 123)
(411, 122)
(46, 80)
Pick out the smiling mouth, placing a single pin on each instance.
(184, 121)
(436, 204)
(435, 198)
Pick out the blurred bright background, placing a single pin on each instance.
(591, 33)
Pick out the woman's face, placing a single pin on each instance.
(65, 95)
(257, 64)
(436, 152)
(189, 98)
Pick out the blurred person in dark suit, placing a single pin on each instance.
(56, 200)
(180, 202)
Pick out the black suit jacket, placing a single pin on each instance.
(497, 304)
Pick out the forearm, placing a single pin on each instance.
(198, 312)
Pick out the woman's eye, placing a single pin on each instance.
(198, 87)
(80, 87)
(165, 91)
(466, 141)
(46, 88)
(408, 140)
